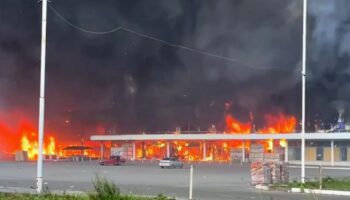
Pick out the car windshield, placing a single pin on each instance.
(115, 157)
(170, 158)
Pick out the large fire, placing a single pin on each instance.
(220, 150)
(29, 142)
(235, 126)
(274, 124)
(31, 147)
(22, 136)
(279, 123)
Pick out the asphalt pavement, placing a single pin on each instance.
(211, 181)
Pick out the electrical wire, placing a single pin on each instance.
(60, 16)
(120, 28)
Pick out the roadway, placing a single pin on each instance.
(211, 181)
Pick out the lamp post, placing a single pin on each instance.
(303, 73)
(39, 176)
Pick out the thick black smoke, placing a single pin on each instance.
(329, 58)
(131, 83)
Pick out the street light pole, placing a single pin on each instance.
(39, 177)
(303, 91)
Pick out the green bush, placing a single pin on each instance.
(328, 183)
(103, 190)
(10, 196)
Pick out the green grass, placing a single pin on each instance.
(328, 183)
(11, 196)
(103, 190)
(106, 190)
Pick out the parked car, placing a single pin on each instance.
(113, 160)
(170, 162)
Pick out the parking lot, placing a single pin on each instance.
(211, 181)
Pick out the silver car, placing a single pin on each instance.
(170, 162)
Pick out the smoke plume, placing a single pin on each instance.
(129, 83)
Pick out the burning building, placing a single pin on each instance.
(206, 146)
(320, 147)
(278, 138)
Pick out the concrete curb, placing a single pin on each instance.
(58, 192)
(33, 191)
(316, 191)
(308, 191)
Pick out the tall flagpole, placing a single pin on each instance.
(39, 176)
(303, 91)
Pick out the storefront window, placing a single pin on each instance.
(297, 153)
(319, 153)
(343, 153)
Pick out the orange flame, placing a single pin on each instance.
(279, 124)
(283, 143)
(31, 146)
(235, 126)
(51, 147)
(29, 142)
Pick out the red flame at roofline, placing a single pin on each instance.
(219, 150)
(275, 124)
(235, 126)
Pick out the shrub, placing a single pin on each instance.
(104, 190)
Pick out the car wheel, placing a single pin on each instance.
(162, 167)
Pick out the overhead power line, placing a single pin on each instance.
(60, 16)
(120, 28)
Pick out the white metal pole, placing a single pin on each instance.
(101, 151)
(168, 149)
(286, 152)
(39, 177)
(191, 183)
(204, 150)
(133, 151)
(303, 91)
(243, 151)
(332, 153)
